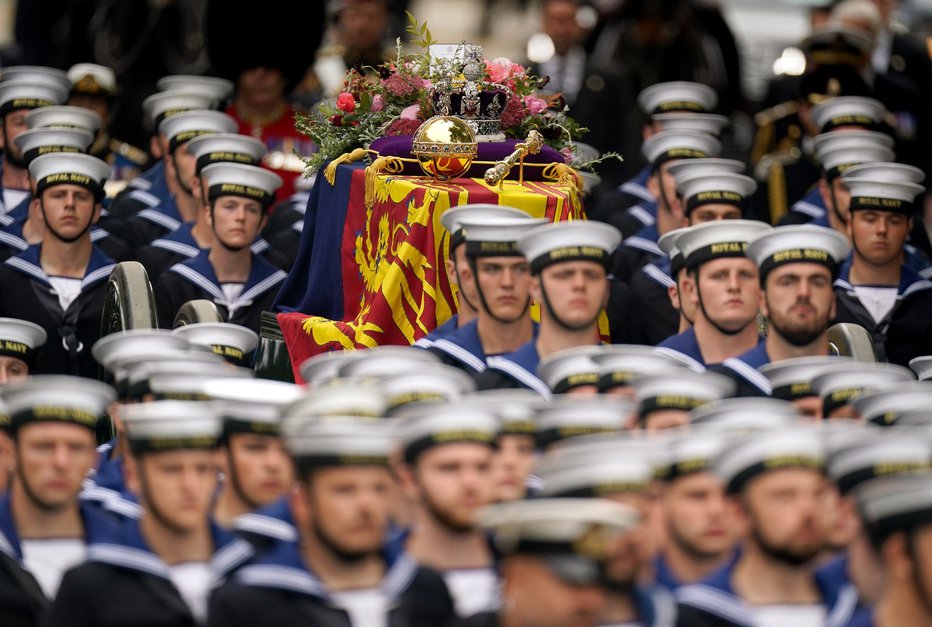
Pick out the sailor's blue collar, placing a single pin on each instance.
(127, 548)
(655, 605)
(181, 241)
(637, 185)
(717, 595)
(281, 566)
(747, 365)
(198, 270)
(685, 344)
(27, 262)
(910, 280)
(20, 211)
(97, 526)
(443, 330)
(521, 365)
(645, 240)
(465, 345)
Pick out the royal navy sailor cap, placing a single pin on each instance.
(710, 123)
(691, 453)
(383, 360)
(791, 379)
(251, 405)
(92, 79)
(187, 125)
(17, 95)
(46, 141)
(516, 408)
(226, 148)
(170, 425)
(574, 416)
(618, 364)
(218, 89)
(366, 398)
(111, 349)
(825, 142)
(757, 453)
(744, 415)
(573, 536)
(439, 424)
(435, 383)
(883, 406)
(64, 116)
(843, 111)
(328, 366)
(57, 398)
(706, 166)
(605, 473)
(895, 504)
(236, 179)
(673, 145)
(492, 236)
(338, 441)
(38, 74)
(802, 243)
(160, 106)
(922, 366)
(717, 239)
(569, 369)
(450, 219)
(179, 380)
(667, 244)
(560, 242)
(233, 342)
(21, 339)
(679, 389)
(124, 364)
(879, 456)
(886, 171)
(677, 96)
(883, 195)
(841, 385)
(836, 161)
(71, 169)
(715, 189)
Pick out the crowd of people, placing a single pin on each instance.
(752, 448)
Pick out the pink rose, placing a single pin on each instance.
(346, 102)
(410, 113)
(535, 105)
(378, 103)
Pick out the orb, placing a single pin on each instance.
(445, 147)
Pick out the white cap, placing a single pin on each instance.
(825, 142)
(679, 96)
(226, 148)
(706, 166)
(516, 408)
(763, 452)
(710, 123)
(338, 441)
(233, 342)
(848, 111)
(20, 337)
(679, 389)
(16, 95)
(218, 89)
(841, 385)
(721, 238)
(573, 416)
(881, 195)
(187, 125)
(342, 397)
(798, 244)
(886, 171)
(162, 105)
(425, 383)
(711, 189)
(883, 406)
(492, 236)
(236, 179)
(57, 398)
(383, 360)
(171, 425)
(92, 79)
(71, 169)
(64, 116)
(440, 424)
(46, 141)
(36, 74)
(116, 347)
(672, 145)
(791, 379)
(922, 366)
(587, 473)
(744, 415)
(569, 241)
(618, 364)
(836, 162)
(569, 368)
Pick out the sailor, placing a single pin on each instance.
(501, 277)
(20, 343)
(874, 289)
(163, 565)
(447, 453)
(775, 484)
(666, 398)
(242, 284)
(155, 187)
(700, 537)
(722, 283)
(190, 238)
(254, 464)
(896, 512)
(839, 387)
(569, 269)
(555, 552)
(324, 559)
(466, 297)
(60, 283)
(43, 527)
(18, 97)
(662, 151)
(709, 189)
(94, 88)
(797, 266)
(161, 219)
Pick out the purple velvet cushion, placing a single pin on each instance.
(400, 146)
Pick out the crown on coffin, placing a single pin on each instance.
(459, 89)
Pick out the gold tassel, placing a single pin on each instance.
(330, 172)
(392, 165)
(566, 176)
